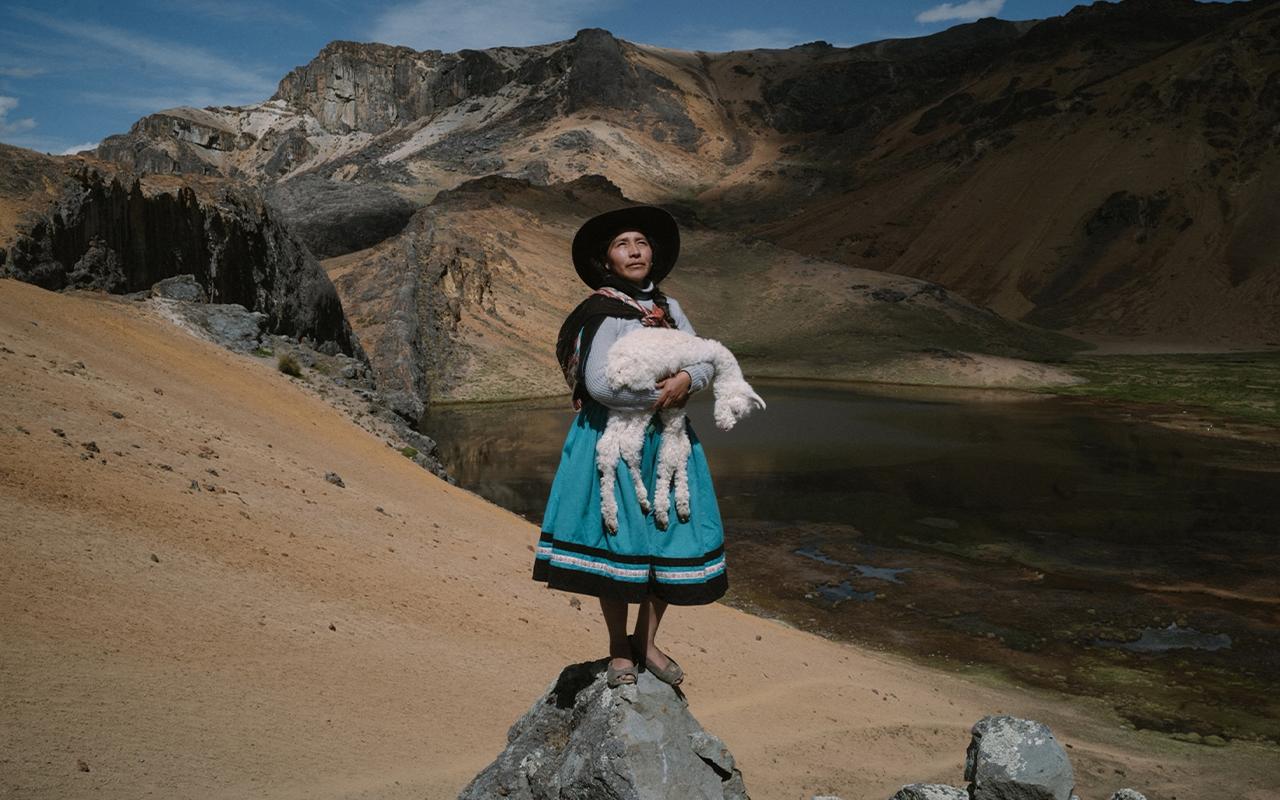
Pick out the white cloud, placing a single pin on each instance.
(172, 58)
(21, 72)
(746, 39)
(80, 148)
(451, 26)
(965, 12)
(250, 11)
(8, 128)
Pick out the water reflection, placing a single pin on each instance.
(1021, 531)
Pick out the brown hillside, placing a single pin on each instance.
(1126, 185)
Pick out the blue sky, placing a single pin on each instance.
(75, 71)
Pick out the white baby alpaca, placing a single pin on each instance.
(637, 361)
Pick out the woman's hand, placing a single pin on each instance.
(674, 391)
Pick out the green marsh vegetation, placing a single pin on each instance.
(1241, 385)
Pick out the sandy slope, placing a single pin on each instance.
(270, 634)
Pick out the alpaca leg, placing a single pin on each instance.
(631, 447)
(607, 464)
(677, 458)
(672, 455)
(662, 482)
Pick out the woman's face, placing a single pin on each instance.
(629, 257)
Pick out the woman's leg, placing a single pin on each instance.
(647, 622)
(615, 620)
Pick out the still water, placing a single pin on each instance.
(1063, 543)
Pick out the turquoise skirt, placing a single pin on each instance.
(683, 565)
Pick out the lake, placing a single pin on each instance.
(1064, 543)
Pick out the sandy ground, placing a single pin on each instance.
(192, 610)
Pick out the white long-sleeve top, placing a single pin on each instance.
(612, 329)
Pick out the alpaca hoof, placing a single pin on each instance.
(645, 506)
(611, 529)
(684, 516)
(661, 522)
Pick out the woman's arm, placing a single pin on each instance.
(612, 329)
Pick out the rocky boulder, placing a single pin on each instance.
(582, 739)
(101, 228)
(333, 218)
(1017, 759)
(227, 324)
(929, 791)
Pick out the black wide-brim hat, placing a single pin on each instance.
(593, 238)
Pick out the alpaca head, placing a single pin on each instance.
(735, 402)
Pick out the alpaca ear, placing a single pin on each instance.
(756, 399)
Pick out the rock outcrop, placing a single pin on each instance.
(1017, 759)
(582, 739)
(115, 231)
(333, 218)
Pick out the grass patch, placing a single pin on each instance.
(408, 452)
(263, 352)
(289, 365)
(1244, 385)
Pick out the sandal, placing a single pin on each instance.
(672, 675)
(625, 676)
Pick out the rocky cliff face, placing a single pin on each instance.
(1109, 173)
(466, 303)
(110, 230)
(994, 158)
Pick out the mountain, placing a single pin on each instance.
(1111, 171)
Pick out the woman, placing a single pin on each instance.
(623, 255)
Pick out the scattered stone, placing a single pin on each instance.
(195, 486)
(92, 447)
(155, 558)
(23, 430)
(332, 477)
(1128, 794)
(635, 742)
(158, 390)
(83, 767)
(228, 324)
(59, 433)
(332, 627)
(180, 287)
(929, 791)
(117, 415)
(349, 372)
(1016, 759)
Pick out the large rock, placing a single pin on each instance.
(228, 324)
(929, 791)
(1016, 759)
(333, 218)
(582, 740)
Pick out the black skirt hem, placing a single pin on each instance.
(676, 594)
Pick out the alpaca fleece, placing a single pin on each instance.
(637, 361)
